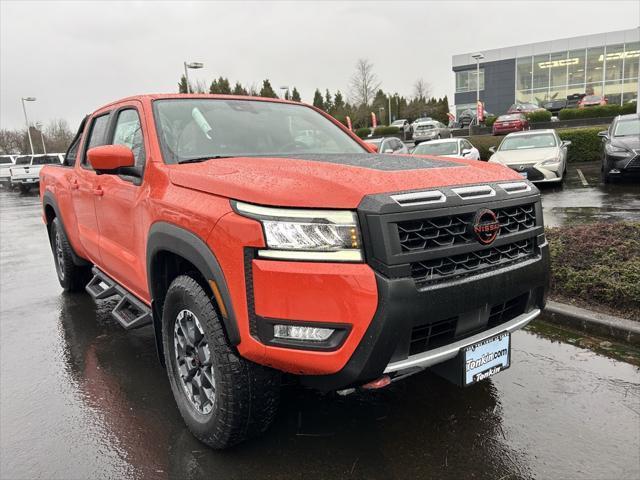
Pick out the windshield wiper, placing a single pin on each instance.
(204, 159)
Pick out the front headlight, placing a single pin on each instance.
(617, 150)
(301, 234)
(550, 161)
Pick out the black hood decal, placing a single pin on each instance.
(374, 161)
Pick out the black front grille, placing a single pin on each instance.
(443, 332)
(426, 337)
(508, 310)
(634, 164)
(433, 271)
(432, 233)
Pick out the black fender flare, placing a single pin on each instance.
(49, 200)
(171, 238)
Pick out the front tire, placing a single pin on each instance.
(72, 277)
(223, 398)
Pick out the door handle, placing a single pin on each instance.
(74, 184)
(98, 191)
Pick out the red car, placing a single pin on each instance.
(512, 122)
(593, 101)
(252, 247)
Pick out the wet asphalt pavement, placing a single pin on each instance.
(82, 398)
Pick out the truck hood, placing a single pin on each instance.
(329, 181)
(526, 156)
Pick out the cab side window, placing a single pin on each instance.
(128, 132)
(97, 135)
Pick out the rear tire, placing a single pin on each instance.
(72, 277)
(223, 398)
(24, 188)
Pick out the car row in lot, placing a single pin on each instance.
(23, 171)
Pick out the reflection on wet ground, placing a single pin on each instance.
(82, 398)
(576, 203)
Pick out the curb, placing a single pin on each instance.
(593, 322)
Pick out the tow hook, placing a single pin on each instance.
(381, 382)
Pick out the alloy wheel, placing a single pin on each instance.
(194, 362)
(59, 254)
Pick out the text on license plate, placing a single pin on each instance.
(486, 358)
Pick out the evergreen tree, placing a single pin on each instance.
(267, 90)
(295, 95)
(239, 89)
(318, 101)
(213, 88)
(338, 102)
(328, 104)
(182, 85)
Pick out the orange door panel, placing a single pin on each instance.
(82, 193)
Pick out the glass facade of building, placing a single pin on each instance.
(611, 70)
(466, 80)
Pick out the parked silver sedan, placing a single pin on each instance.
(430, 130)
(538, 155)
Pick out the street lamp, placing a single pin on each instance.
(26, 120)
(187, 66)
(39, 127)
(477, 57)
(380, 111)
(287, 96)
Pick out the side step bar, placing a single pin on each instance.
(129, 312)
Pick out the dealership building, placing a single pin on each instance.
(604, 63)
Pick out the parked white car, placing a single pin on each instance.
(450, 147)
(6, 162)
(404, 126)
(539, 155)
(390, 145)
(26, 171)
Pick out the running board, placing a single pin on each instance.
(129, 312)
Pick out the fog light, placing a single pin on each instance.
(294, 332)
(614, 170)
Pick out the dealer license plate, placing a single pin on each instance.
(486, 358)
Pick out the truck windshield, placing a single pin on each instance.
(191, 129)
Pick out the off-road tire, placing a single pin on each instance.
(246, 394)
(72, 277)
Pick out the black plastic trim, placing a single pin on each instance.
(171, 238)
(48, 199)
(335, 341)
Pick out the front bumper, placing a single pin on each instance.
(623, 165)
(539, 173)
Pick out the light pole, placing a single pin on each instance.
(380, 111)
(187, 66)
(26, 120)
(478, 57)
(287, 95)
(389, 110)
(39, 127)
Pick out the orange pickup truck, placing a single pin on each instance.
(258, 236)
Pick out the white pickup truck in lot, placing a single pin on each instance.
(26, 171)
(6, 161)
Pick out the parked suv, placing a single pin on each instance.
(251, 254)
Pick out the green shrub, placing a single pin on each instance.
(483, 143)
(363, 132)
(490, 120)
(539, 116)
(585, 143)
(596, 112)
(597, 264)
(382, 130)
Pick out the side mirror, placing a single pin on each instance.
(388, 150)
(566, 143)
(372, 148)
(466, 151)
(492, 149)
(603, 134)
(108, 158)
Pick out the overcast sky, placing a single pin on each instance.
(75, 56)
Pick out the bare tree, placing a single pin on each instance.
(364, 83)
(11, 141)
(421, 89)
(58, 136)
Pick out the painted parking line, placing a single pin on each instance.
(582, 177)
